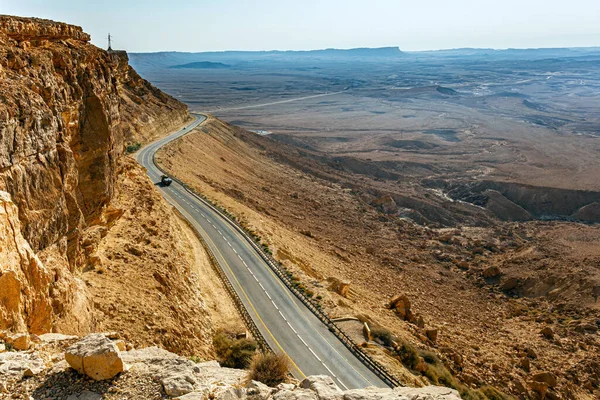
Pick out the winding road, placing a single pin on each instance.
(287, 325)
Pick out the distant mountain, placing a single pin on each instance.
(173, 59)
(202, 65)
(512, 53)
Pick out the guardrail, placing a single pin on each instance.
(248, 321)
(277, 268)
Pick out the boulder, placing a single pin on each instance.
(95, 356)
(401, 304)
(545, 377)
(19, 341)
(491, 272)
(324, 386)
(338, 286)
(547, 332)
(432, 334)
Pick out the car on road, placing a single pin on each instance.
(165, 180)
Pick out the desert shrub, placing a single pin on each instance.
(467, 393)
(491, 393)
(270, 369)
(132, 148)
(408, 355)
(233, 353)
(382, 334)
(429, 357)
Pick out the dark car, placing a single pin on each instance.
(165, 180)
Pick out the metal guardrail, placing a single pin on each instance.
(276, 267)
(248, 321)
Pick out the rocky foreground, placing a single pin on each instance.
(103, 366)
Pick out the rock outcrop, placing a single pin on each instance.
(95, 356)
(156, 373)
(67, 110)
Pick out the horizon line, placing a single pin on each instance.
(372, 48)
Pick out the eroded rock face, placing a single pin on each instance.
(67, 109)
(21, 270)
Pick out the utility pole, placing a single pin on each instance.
(109, 48)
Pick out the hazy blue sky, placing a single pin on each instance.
(201, 25)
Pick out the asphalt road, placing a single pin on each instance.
(286, 324)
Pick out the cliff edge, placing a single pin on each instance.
(68, 110)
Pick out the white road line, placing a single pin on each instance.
(292, 328)
(283, 316)
(315, 354)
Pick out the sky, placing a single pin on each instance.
(202, 25)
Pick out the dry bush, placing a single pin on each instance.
(233, 353)
(270, 369)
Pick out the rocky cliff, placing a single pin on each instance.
(67, 111)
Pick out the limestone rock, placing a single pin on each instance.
(428, 393)
(258, 390)
(178, 384)
(17, 364)
(56, 337)
(95, 356)
(296, 394)
(20, 341)
(324, 386)
(285, 386)
(193, 396)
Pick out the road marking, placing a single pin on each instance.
(244, 241)
(252, 305)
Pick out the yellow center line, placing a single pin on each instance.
(207, 237)
(287, 292)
